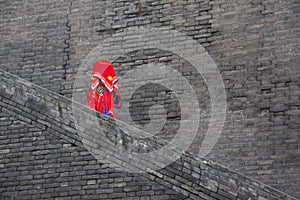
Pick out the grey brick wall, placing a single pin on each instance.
(42, 156)
(259, 59)
(42, 159)
(34, 40)
(38, 165)
(254, 43)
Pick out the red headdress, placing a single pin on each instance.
(104, 71)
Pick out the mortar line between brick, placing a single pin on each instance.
(67, 42)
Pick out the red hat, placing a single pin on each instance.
(105, 72)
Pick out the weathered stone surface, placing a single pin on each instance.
(46, 159)
(254, 43)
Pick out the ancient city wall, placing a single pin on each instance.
(46, 158)
(253, 43)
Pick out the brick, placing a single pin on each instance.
(4, 151)
(252, 42)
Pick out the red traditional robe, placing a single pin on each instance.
(104, 83)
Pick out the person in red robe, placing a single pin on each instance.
(104, 84)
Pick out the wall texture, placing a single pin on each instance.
(44, 157)
(254, 43)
